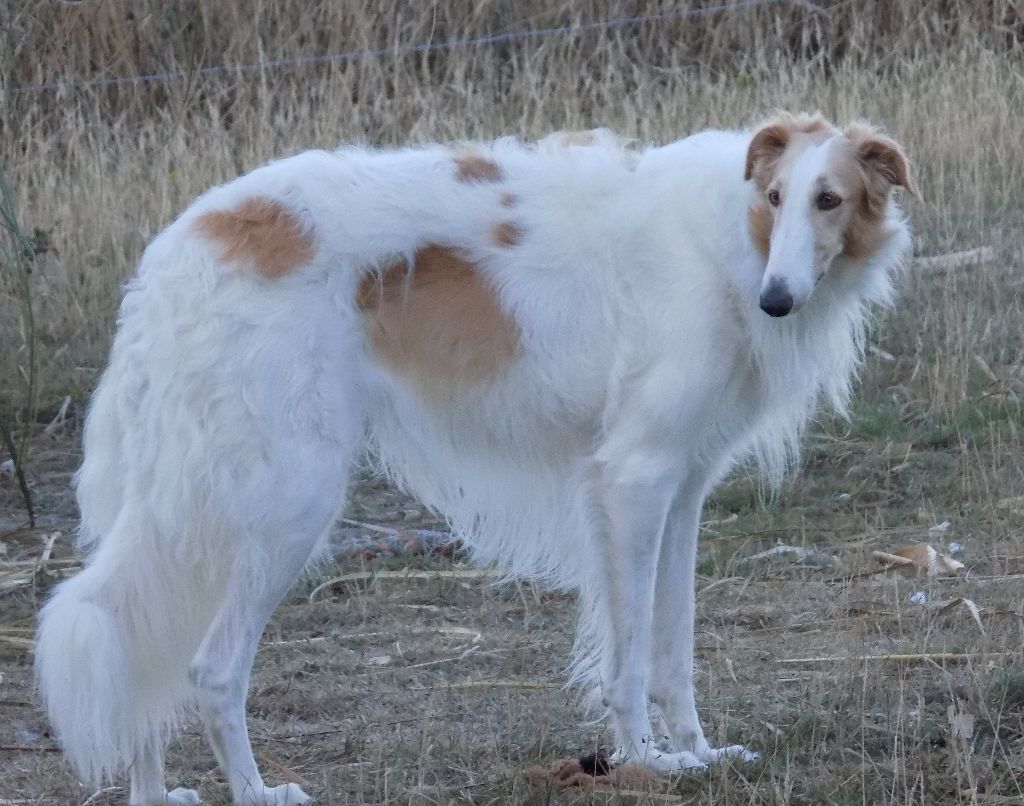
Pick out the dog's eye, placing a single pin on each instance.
(828, 201)
(773, 198)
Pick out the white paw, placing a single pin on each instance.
(283, 795)
(732, 751)
(182, 797)
(658, 760)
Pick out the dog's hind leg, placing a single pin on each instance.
(147, 781)
(671, 683)
(221, 667)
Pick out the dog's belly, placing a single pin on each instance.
(505, 462)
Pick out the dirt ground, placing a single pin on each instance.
(858, 687)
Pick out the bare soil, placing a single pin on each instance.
(445, 690)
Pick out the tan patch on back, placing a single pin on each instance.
(506, 233)
(261, 233)
(438, 322)
(476, 168)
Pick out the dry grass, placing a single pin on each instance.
(936, 433)
(97, 170)
(442, 689)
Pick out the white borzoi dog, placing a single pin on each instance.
(561, 347)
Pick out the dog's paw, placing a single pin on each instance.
(737, 751)
(658, 760)
(182, 797)
(283, 795)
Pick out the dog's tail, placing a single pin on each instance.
(87, 660)
(115, 641)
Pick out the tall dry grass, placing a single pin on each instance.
(16, 254)
(97, 170)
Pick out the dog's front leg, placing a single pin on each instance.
(672, 653)
(671, 684)
(635, 490)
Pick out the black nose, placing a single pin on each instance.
(776, 299)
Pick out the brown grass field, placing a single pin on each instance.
(445, 689)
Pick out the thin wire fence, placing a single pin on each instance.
(16, 427)
(417, 48)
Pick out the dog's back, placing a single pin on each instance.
(243, 375)
(539, 341)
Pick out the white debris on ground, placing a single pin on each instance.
(797, 554)
(919, 557)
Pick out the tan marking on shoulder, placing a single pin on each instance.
(476, 168)
(260, 232)
(438, 321)
(506, 233)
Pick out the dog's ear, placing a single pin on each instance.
(766, 147)
(883, 157)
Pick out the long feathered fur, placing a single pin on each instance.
(632, 282)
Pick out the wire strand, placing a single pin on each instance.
(402, 50)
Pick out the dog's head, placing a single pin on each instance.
(820, 193)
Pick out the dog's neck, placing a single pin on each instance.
(809, 357)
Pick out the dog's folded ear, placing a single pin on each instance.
(766, 147)
(883, 156)
(772, 138)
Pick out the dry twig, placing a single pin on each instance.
(920, 657)
(362, 576)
